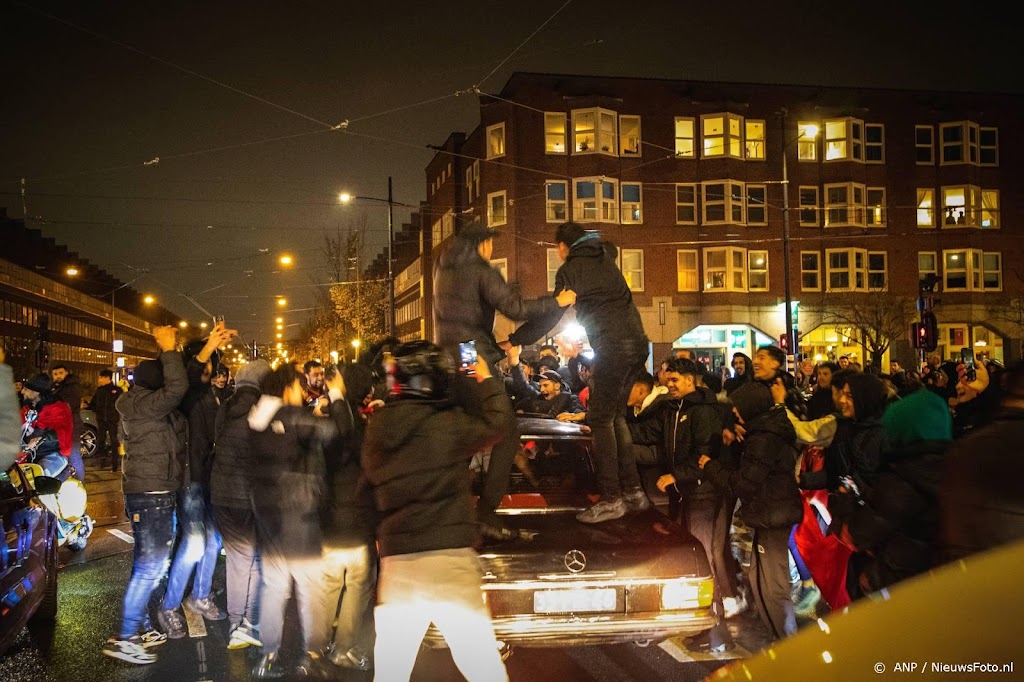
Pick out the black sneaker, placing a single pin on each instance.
(313, 666)
(354, 659)
(130, 650)
(172, 623)
(269, 668)
(605, 510)
(205, 608)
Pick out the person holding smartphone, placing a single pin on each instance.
(468, 292)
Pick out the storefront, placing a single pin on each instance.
(714, 344)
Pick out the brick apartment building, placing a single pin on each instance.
(885, 187)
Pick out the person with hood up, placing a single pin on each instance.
(771, 505)
(468, 292)
(155, 456)
(605, 309)
(743, 372)
(686, 427)
(415, 457)
(287, 448)
(47, 425)
(231, 475)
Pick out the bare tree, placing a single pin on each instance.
(879, 318)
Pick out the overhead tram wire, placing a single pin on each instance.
(522, 44)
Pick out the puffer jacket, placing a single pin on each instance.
(467, 292)
(764, 480)
(232, 469)
(604, 303)
(70, 391)
(415, 458)
(154, 432)
(348, 510)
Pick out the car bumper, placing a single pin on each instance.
(534, 630)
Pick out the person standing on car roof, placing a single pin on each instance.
(153, 432)
(468, 292)
(102, 405)
(605, 308)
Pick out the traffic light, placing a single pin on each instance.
(784, 341)
(925, 334)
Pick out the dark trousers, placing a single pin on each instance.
(722, 559)
(242, 563)
(616, 367)
(768, 575)
(153, 526)
(700, 513)
(107, 433)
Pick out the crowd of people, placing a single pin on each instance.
(348, 488)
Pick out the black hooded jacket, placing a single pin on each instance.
(764, 480)
(732, 383)
(232, 470)
(70, 391)
(416, 459)
(467, 292)
(604, 303)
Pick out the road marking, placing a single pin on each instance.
(195, 622)
(122, 535)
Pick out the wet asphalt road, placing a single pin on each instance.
(92, 584)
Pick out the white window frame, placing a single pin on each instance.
(925, 207)
(493, 153)
(469, 185)
(681, 140)
(447, 224)
(731, 140)
(880, 145)
(855, 209)
(967, 145)
(852, 143)
(988, 149)
(550, 205)
(920, 146)
(754, 145)
(923, 272)
(633, 274)
(875, 212)
(631, 212)
(884, 271)
(973, 269)
(735, 264)
(553, 263)
(476, 177)
(806, 271)
(492, 220)
(969, 211)
(731, 203)
(807, 145)
(604, 210)
(436, 232)
(552, 143)
(687, 277)
(601, 145)
(816, 206)
(999, 270)
(761, 206)
(756, 267)
(693, 206)
(857, 274)
(625, 150)
(989, 210)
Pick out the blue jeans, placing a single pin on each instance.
(198, 548)
(75, 459)
(153, 525)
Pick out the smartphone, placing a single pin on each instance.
(967, 357)
(218, 319)
(467, 356)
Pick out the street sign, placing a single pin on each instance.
(118, 346)
(120, 362)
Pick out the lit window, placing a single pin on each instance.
(632, 203)
(554, 261)
(874, 143)
(807, 141)
(725, 269)
(686, 204)
(496, 209)
(633, 268)
(990, 208)
(846, 269)
(721, 135)
(961, 206)
(629, 135)
(844, 139)
(447, 224)
(685, 137)
(844, 205)
(878, 271)
(925, 207)
(927, 264)
(875, 215)
(924, 145)
(554, 132)
(757, 270)
(810, 271)
(495, 140)
(687, 272)
(436, 235)
(754, 139)
(557, 201)
(989, 146)
(594, 130)
(595, 199)
(809, 207)
(756, 212)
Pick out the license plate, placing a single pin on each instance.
(574, 601)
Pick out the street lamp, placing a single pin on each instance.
(183, 324)
(149, 300)
(285, 260)
(71, 272)
(282, 302)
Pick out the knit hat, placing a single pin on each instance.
(549, 375)
(252, 373)
(922, 415)
(149, 374)
(752, 399)
(40, 383)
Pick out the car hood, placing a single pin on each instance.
(639, 546)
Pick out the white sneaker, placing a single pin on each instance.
(243, 635)
(130, 650)
(734, 606)
(152, 638)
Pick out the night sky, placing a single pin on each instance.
(93, 90)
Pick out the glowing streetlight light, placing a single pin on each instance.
(183, 324)
(334, 356)
(285, 260)
(202, 325)
(280, 327)
(71, 272)
(344, 197)
(356, 343)
(282, 302)
(279, 320)
(149, 300)
(279, 335)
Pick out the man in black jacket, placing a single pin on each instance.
(552, 401)
(68, 388)
(153, 434)
(415, 458)
(604, 306)
(467, 293)
(686, 427)
(102, 405)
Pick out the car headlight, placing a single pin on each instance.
(687, 594)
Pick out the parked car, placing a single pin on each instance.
(641, 578)
(89, 440)
(28, 553)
